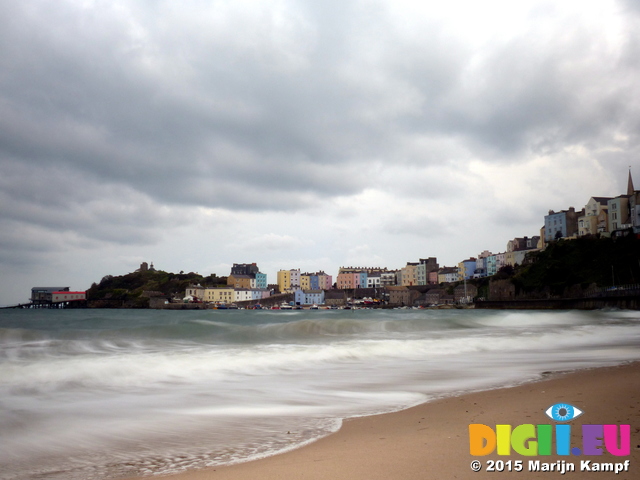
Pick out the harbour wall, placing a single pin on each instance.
(630, 302)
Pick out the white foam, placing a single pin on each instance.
(101, 397)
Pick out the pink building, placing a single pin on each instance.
(57, 297)
(325, 282)
(348, 280)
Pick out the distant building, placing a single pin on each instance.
(448, 275)
(515, 258)
(465, 293)
(43, 295)
(594, 217)
(408, 275)
(219, 295)
(388, 278)
(619, 217)
(355, 277)
(432, 297)
(260, 293)
(260, 281)
(67, 296)
(587, 225)
(634, 205)
(402, 296)
(288, 280)
(373, 281)
(523, 243)
(561, 224)
(424, 268)
(309, 297)
(491, 265)
(346, 280)
(144, 267)
(244, 269)
(316, 281)
(195, 292)
(241, 281)
(466, 269)
(246, 275)
(243, 294)
(482, 264)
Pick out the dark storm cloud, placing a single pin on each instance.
(180, 118)
(258, 106)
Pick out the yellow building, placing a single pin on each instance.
(219, 295)
(305, 282)
(587, 225)
(284, 280)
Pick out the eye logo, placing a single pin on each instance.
(563, 412)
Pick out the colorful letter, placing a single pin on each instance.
(503, 432)
(611, 437)
(523, 440)
(592, 439)
(482, 439)
(544, 439)
(563, 439)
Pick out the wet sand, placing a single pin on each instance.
(431, 441)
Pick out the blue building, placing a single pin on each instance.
(466, 269)
(309, 297)
(314, 282)
(561, 224)
(261, 280)
(492, 265)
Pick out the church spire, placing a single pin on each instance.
(630, 188)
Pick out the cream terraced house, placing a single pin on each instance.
(220, 295)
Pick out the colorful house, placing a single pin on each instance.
(466, 269)
(561, 224)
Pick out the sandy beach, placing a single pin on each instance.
(431, 441)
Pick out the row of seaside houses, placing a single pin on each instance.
(605, 216)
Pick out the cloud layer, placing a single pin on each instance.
(323, 128)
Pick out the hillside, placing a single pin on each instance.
(127, 291)
(579, 264)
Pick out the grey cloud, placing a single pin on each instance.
(57, 209)
(279, 107)
(90, 101)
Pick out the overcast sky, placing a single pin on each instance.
(301, 133)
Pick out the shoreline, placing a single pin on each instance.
(431, 440)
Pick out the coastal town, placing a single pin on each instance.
(418, 284)
(601, 216)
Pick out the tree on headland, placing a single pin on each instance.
(585, 261)
(127, 290)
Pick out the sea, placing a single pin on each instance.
(103, 394)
